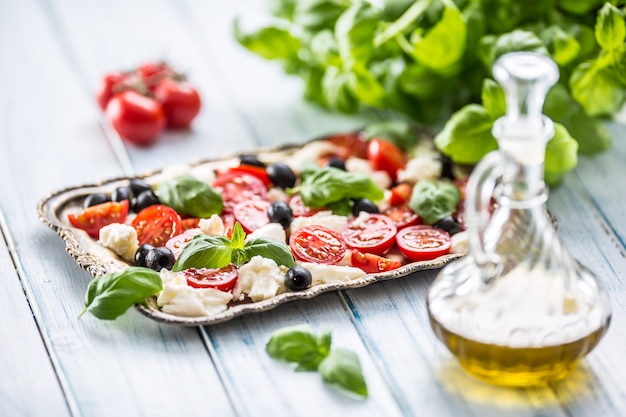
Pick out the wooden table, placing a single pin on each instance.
(52, 136)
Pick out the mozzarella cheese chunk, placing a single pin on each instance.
(172, 171)
(260, 279)
(459, 243)
(324, 274)
(423, 167)
(182, 300)
(362, 166)
(213, 226)
(272, 231)
(277, 194)
(204, 173)
(310, 152)
(121, 239)
(325, 218)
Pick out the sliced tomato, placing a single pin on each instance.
(223, 279)
(93, 218)
(252, 214)
(258, 172)
(402, 216)
(350, 144)
(229, 223)
(422, 242)
(370, 263)
(401, 194)
(374, 235)
(385, 156)
(177, 243)
(190, 223)
(237, 187)
(157, 224)
(299, 209)
(317, 244)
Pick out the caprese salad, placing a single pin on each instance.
(334, 210)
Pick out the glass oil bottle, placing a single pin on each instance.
(518, 310)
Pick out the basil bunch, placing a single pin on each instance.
(335, 189)
(218, 251)
(299, 344)
(430, 59)
(188, 195)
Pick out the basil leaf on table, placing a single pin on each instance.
(188, 195)
(205, 252)
(268, 248)
(299, 344)
(342, 369)
(331, 185)
(109, 296)
(434, 200)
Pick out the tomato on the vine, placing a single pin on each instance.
(136, 118)
(108, 86)
(152, 73)
(317, 244)
(371, 264)
(181, 102)
(93, 218)
(385, 156)
(156, 225)
(423, 242)
(223, 279)
(372, 235)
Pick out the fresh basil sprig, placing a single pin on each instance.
(335, 188)
(339, 368)
(109, 296)
(188, 195)
(434, 200)
(218, 251)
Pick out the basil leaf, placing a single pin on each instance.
(109, 296)
(597, 89)
(238, 236)
(336, 91)
(467, 137)
(269, 42)
(205, 252)
(188, 195)
(610, 28)
(561, 155)
(342, 369)
(316, 15)
(493, 98)
(268, 248)
(563, 47)
(517, 40)
(299, 344)
(434, 200)
(330, 185)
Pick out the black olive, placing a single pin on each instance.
(336, 162)
(298, 278)
(143, 200)
(280, 212)
(450, 225)
(281, 175)
(364, 205)
(248, 159)
(138, 186)
(95, 199)
(140, 255)
(121, 194)
(159, 258)
(446, 167)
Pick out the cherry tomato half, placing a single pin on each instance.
(385, 156)
(371, 264)
(317, 244)
(401, 194)
(422, 242)
(223, 279)
(402, 216)
(299, 209)
(181, 102)
(237, 187)
(136, 118)
(93, 218)
(374, 235)
(252, 214)
(258, 172)
(156, 225)
(177, 243)
(350, 144)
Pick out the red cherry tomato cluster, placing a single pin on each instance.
(142, 102)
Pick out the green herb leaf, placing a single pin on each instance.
(337, 93)
(238, 237)
(342, 369)
(299, 344)
(493, 98)
(188, 195)
(517, 40)
(561, 155)
(563, 47)
(268, 248)
(597, 89)
(316, 15)
(434, 200)
(330, 185)
(610, 27)
(205, 252)
(269, 42)
(109, 296)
